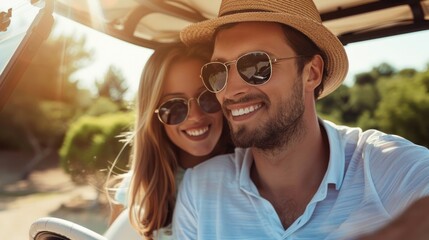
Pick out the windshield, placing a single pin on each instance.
(22, 16)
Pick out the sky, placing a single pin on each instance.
(401, 51)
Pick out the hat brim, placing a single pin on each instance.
(337, 62)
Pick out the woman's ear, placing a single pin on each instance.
(315, 73)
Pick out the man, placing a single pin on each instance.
(294, 176)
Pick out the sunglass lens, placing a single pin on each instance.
(214, 76)
(254, 68)
(209, 103)
(173, 112)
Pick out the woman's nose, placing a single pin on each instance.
(195, 111)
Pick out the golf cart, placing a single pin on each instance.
(152, 23)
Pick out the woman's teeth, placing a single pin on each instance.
(197, 132)
(243, 111)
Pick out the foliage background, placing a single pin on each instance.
(48, 105)
(393, 101)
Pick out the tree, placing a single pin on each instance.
(102, 105)
(383, 70)
(365, 78)
(404, 108)
(112, 86)
(392, 101)
(363, 99)
(333, 106)
(46, 99)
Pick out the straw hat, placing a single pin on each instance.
(299, 14)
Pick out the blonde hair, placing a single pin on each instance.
(154, 162)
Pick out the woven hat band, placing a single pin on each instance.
(301, 8)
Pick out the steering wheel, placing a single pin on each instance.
(50, 228)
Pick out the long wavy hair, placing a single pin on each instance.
(154, 160)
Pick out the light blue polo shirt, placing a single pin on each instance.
(371, 178)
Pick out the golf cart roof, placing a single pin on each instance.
(151, 23)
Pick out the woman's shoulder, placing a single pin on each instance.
(122, 189)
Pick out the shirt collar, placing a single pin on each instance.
(245, 161)
(334, 173)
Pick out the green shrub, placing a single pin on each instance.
(93, 143)
(101, 106)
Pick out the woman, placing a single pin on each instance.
(179, 125)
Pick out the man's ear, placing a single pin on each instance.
(315, 73)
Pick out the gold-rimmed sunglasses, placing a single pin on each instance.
(176, 110)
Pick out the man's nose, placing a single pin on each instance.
(235, 85)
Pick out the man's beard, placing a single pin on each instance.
(285, 127)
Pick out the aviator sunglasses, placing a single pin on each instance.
(255, 68)
(176, 110)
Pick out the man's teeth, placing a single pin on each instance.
(197, 132)
(243, 111)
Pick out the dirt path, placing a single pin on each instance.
(44, 194)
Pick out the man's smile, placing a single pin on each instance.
(246, 110)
